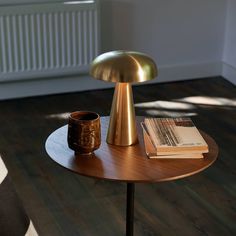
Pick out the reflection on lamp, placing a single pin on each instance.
(123, 68)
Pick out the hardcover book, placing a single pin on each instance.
(172, 136)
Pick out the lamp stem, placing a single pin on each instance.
(122, 127)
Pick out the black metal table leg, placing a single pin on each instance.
(130, 209)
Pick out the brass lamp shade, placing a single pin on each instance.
(124, 68)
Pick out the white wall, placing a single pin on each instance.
(229, 55)
(183, 36)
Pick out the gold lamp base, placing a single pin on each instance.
(122, 127)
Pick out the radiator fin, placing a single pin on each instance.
(55, 41)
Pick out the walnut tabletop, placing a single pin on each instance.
(128, 164)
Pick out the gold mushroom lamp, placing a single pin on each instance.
(123, 68)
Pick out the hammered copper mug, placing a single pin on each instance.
(84, 132)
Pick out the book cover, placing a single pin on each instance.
(174, 136)
(151, 151)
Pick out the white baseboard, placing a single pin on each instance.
(36, 87)
(190, 71)
(229, 72)
(27, 88)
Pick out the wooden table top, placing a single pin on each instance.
(128, 164)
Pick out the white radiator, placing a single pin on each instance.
(51, 39)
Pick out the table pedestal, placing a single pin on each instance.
(130, 209)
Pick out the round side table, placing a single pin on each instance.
(127, 164)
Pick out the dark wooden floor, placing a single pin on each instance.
(63, 203)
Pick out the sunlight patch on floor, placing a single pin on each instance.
(184, 106)
(204, 100)
(166, 105)
(176, 108)
(169, 113)
(60, 116)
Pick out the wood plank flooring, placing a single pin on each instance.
(62, 203)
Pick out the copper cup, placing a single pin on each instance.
(84, 132)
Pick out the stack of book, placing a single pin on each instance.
(173, 138)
